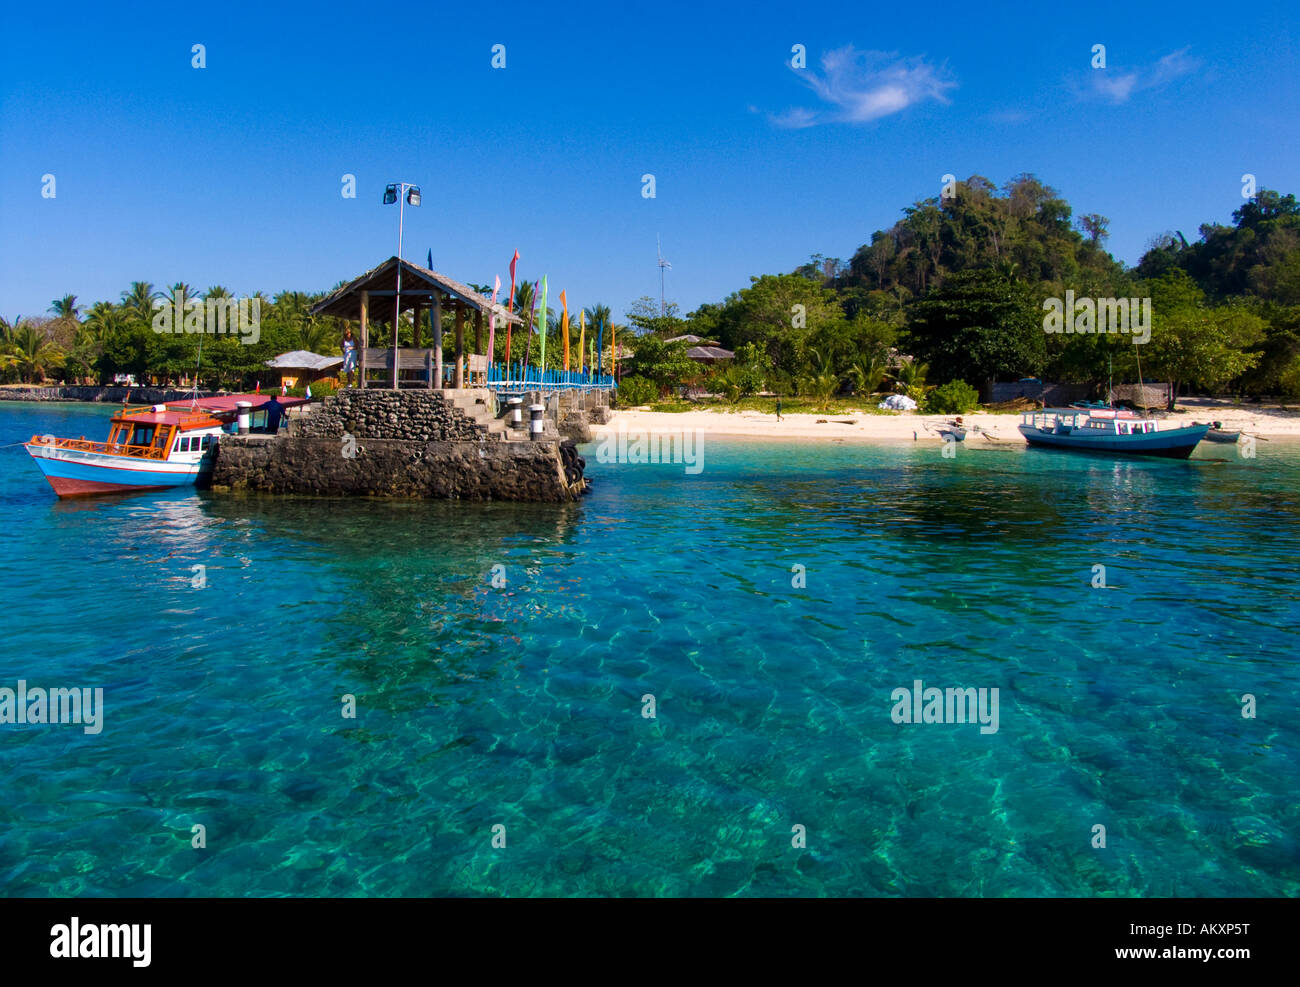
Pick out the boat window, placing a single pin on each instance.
(207, 441)
(142, 436)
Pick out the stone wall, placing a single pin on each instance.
(481, 470)
(108, 395)
(417, 415)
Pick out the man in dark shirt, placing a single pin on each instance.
(274, 413)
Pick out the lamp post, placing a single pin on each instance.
(401, 193)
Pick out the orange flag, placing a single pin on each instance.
(564, 328)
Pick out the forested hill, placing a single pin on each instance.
(1257, 256)
(958, 287)
(973, 225)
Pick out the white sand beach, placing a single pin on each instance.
(1258, 420)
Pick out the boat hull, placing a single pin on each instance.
(1176, 443)
(1227, 438)
(89, 474)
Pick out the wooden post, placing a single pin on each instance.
(436, 315)
(460, 343)
(478, 338)
(397, 320)
(365, 337)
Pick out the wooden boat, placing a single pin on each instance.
(1217, 433)
(1108, 430)
(152, 447)
(950, 431)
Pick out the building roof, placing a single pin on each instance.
(709, 353)
(419, 284)
(303, 360)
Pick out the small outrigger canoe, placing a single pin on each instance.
(1108, 430)
(152, 447)
(1217, 433)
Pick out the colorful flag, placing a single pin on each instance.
(541, 325)
(492, 322)
(582, 340)
(600, 347)
(613, 347)
(429, 262)
(532, 321)
(564, 328)
(511, 308)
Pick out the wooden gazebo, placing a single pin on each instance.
(374, 297)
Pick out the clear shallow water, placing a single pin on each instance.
(522, 706)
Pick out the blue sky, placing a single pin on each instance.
(231, 174)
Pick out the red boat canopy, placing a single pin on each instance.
(225, 404)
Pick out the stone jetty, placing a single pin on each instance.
(413, 443)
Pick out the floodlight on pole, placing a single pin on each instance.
(407, 193)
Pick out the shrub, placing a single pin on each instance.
(953, 398)
(634, 390)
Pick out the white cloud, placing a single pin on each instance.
(1117, 87)
(861, 86)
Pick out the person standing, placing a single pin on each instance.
(349, 354)
(778, 409)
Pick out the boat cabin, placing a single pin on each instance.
(1088, 421)
(157, 432)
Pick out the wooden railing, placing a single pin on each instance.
(106, 448)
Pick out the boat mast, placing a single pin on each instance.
(194, 394)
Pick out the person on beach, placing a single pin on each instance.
(349, 354)
(778, 409)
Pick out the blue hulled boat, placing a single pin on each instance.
(1108, 430)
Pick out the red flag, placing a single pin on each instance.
(511, 308)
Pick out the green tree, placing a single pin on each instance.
(979, 325)
(1192, 343)
(664, 364)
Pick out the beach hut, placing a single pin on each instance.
(304, 366)
(703, 350)
(373, 297)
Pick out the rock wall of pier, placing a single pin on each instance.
(416, 443)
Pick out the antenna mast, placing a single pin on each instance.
(663, 265)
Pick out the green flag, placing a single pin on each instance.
(541, 325)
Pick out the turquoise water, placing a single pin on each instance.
(522, 706)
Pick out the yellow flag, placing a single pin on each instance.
(582, 334)
(564, 328)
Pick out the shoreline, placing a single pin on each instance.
(1270, 422)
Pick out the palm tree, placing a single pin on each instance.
(314, 336)
(138, 301)
(910, 378)
(822, 382)
(866, 375)
(524, 298)
(102, 320)
(217, 291)
(35, 352)
(67, 305)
